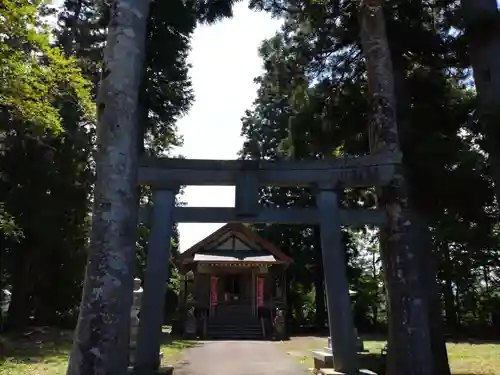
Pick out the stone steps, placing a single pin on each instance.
(234, 328)
(330, 371)
(220, 335)
(234, 335)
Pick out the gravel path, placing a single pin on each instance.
(238, 358)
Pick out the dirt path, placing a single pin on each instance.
(238, 358)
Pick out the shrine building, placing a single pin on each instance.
(233, 285)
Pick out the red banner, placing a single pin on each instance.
(260, 291)
(214, 290)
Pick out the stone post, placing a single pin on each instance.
(134, 319)
(156, 279)
(340, 319)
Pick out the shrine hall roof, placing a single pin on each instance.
(236, 256)
(234, 243)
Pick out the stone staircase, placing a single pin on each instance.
(234, 323)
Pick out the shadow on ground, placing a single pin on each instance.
(51, 345)
(449, 339)
(37, 344)
(243, 339)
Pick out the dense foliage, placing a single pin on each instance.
(51, 64)
(312, 103)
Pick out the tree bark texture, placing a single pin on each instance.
(482, 25)
(101, 337)
(409, 332)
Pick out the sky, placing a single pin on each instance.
(224, 61)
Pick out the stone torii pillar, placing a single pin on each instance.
(340, 320)
(156, 279)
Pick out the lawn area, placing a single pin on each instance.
(465, 358)
(46, 353)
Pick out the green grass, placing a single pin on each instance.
(46, 353)
(465, 358)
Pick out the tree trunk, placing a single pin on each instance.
(451, 312)
(319, 283)
(409, 333)
(70, 29)
(21, 304)
(376, 297)
(101, 337)
(482, 19)
(43, 307)
(421, 239)
(486, 279)
(458, 304)
(449, 306)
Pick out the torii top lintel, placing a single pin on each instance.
(369, 170)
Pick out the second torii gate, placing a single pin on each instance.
(327, 177)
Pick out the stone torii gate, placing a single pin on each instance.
(327, 177)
